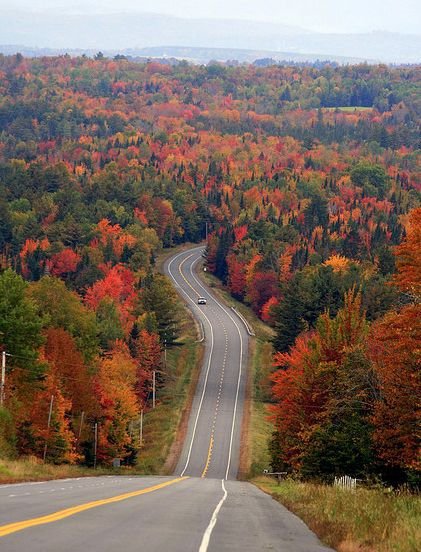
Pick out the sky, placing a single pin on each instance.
(317, 15)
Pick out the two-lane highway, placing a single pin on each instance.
(212, 446)
(201, 507)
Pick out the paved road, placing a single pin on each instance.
(212, 447)
(201, 508)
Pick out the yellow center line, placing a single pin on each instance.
(61, 514)
(209, 457)
(184, 278)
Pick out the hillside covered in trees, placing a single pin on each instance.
(308, 180)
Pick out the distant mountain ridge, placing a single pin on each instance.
(135, 31)
(175, 54)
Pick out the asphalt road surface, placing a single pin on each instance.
(201, 507)
(212, 446)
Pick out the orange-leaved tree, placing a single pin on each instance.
(323, 397)
(408, 278)
(395, 353)
(44, 435)
(115, 388)
(148, 359)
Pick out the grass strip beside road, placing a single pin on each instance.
(367, 520)
(31, 468)
(165, 427)
(62, 514)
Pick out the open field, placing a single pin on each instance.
(348, 109)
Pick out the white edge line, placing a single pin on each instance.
(246, 324)
(207, 534)
(208, 367)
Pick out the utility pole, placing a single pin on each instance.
(80, 426)
(141, 429)
(48, 426)
(95, 444)
(165, 354)
(3, 377)
(153, 388)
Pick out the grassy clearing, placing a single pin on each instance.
(348, 109)
(33, 469)
(364, 520)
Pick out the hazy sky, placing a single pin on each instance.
(319, 15)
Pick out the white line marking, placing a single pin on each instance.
(22, 484)
(207, 534)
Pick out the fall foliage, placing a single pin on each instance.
(305, 180)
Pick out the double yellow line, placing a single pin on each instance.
(184, 278)
(62, 514)
(208, 458)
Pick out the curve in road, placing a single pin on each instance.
(212, 446)
(206, 512)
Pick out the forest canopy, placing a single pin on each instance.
(307, 180)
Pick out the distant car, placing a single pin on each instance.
(201, 301)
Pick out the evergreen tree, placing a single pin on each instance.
(108, 322)
(288, 317)
(20, 324)
(159, 297)
(316, 213)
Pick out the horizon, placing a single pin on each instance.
(291, 34)
(326, 18)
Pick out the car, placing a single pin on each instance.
(201, 301)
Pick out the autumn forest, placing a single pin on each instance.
(305, 181)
